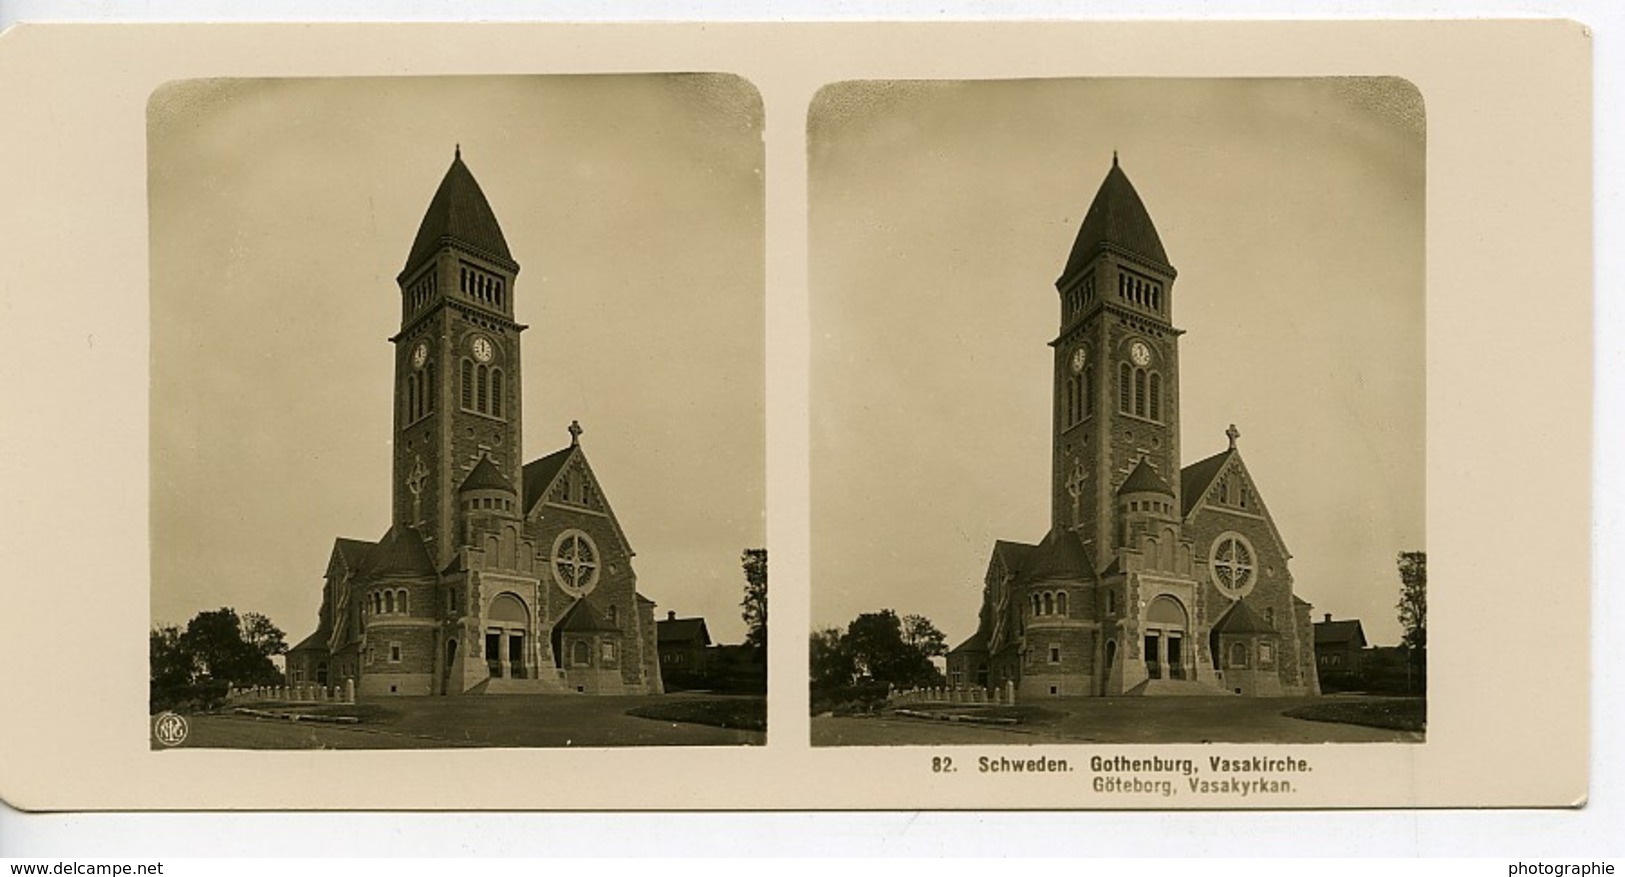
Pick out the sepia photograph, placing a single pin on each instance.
(457, 412)
(1118, 405)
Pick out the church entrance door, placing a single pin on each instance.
(1165, 633)
(1176, 657)
(516, 654)
(493, 653)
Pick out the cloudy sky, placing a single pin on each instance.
(941, 215)
(281, 211)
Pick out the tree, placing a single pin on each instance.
(170, 664)
(875, 642)
(829, 660)
(753, 608)
(235, 650)
(1413, 598)
(262, 635)
(919, 633)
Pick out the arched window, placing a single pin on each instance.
(468, 384)
(1111, 653)
(614, 616)
(1071, 415)
(1155, 412)
(389, 601)
(1038, 604)
(1139, 391)
(1238, 655)
(411, 398)
(401, 601)
(1269, 616)
(1111, 602)
(580, 654)
(1060, 604)
(428, 407)
(1125, 388)
(496, 392)
(1049, 604)
(482, 380)
(1089, 391)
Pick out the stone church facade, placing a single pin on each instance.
(496, 575)
(1153, 578)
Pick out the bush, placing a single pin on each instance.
(861, 698)
(205, 695)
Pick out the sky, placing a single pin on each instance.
(281, 212)
(941, 214)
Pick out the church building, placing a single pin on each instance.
(1153, 578)
(495, 575)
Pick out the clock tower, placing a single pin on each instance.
(1116, 371)
(457, 361)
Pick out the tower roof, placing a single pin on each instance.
(485, 476)
(1117, 217)
(583, 618)
(459, 213)
(1144, 479)
(1242, 619)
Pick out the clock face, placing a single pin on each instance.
(1079, 357)
(420, 355)
(1140, 353)
(482, 349)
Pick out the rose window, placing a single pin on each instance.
(1234, 565)
(575, 562)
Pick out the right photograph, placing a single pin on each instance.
(1118, 411)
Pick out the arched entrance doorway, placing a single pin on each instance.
(1167, 651)
(507, 623)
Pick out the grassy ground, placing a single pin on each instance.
(1026, 715)
(1398, 714)
(496, 721)
(748, 713)
(1133, 720)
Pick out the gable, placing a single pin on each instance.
(1229, 493)
(347, 557)
(565, 480)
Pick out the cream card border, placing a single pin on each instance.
(1509, 377)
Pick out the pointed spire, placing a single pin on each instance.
(459, 215)
(1117, 217)
(457, 154)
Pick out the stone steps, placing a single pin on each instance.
(1177, 688)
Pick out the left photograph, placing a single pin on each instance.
(457, 412)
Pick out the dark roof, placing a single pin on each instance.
(1242, 619)
(582, 618)
(1116, 217)
(1144, 479)
(682, 630)
(643, 599)
(976, 643)
(1195, 478)
(1059, 556)
(540, 473)
(460, 213)
(1015, 554)
(1340, 633)
(354, 551)
(400, 552)
(485, 476)
(317, 640)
